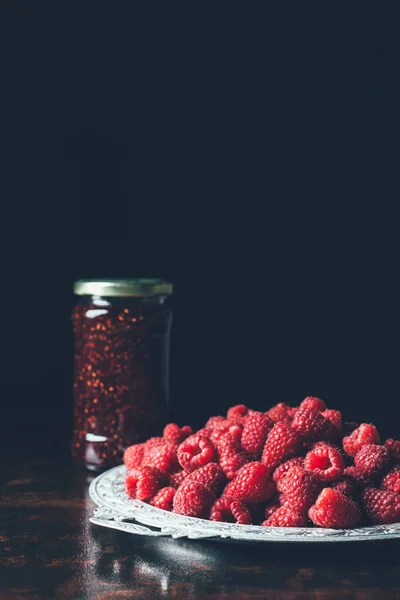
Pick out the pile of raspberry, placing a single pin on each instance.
(297, 466)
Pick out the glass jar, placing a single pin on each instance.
(121, 338)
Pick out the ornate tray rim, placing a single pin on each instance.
(117, 511)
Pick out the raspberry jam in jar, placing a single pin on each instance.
(121, 338)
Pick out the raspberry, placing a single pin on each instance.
(225, 426)
(204, 431)
(211, 476)
(279, 412)
(311, 425)
(237, 413)
(313, 403)
(391, 481)
(281, 471)
(272, 506)
(282, 443)
(300, 489)
(228, 443)
(254, 435)
(334, 416)
(144, 482)
(154, 441)
(285, 516)
(163, 499)
(196, 451)
(334, 510)
(231, 457)
(346, 485)
(193, 500)
(252, 484)
(372, 459)
(364, 434)
(177, 478)
(212, 421)
(162, 457)
(360, 479)
(394, 448)
(230, 510)
(175, 434)
(325, 462)
(133, 456)
(232, 463)
(381, 506)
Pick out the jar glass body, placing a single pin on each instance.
(121, 374)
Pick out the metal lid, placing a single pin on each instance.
(122, 287)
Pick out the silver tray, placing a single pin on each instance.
(117, 511)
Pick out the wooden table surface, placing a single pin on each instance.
(49, 550)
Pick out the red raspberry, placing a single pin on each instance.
(346, 485)
(175, 434)
(154, 441)
(325, 462)
(360, 479)
(391, 481)
(225, 426)
(372, 459)
(380, 506)
(252, 484)
(365, 434)
(311, 425)
(285, 516)
(162, 457)
(177, 478)
(280, 472)
(133, 456)
(255, 431)
(232, 458)
(230, 510)
(228, 443)
(394, 448)
(196, 451)
(163, 499)
(237, 413)
(211, 476)
(212, 421)
(144, 482)
(334, 510)
(282, 443)
(279, 412)
(204, 431)
(193, 499)
(313, 403)
(300, 489)
(334, 416)
(232, 463)
(272, 506)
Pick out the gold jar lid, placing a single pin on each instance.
(123, 287)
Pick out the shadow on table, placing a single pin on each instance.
(186, 568)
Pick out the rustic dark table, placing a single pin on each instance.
(48, 549)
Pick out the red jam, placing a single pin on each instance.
(121, 375)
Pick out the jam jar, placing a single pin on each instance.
(121, 354)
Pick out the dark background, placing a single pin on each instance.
(248, 153)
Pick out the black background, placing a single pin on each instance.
(249, 153)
